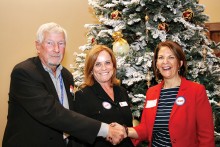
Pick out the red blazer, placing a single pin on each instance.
(191, 120)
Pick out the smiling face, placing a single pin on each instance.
(167, 63)
(51, 49)
(103, 68)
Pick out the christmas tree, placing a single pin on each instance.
(133, 28)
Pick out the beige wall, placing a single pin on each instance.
(19, 20)
(212, 9)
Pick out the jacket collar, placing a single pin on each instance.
(181, 93)
(101, 94)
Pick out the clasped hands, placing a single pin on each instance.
(116, 133)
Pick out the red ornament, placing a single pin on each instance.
(163, 26)
(93, 40)
(116, 15)
(188, 15)
(113, 16)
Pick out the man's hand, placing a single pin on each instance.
(116, 133)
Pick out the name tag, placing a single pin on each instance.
(123, 104)
(151, 103)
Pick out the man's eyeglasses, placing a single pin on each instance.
(51, 44)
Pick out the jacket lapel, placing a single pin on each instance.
(68, 86)
(49, 83)
(181, 92)
(156, 95)
(47, 80)
(101, 94)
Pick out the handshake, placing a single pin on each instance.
(116, 133)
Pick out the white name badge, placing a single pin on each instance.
(123, 104)
(151, 103)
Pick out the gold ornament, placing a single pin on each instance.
(163, 26)
(188, 15)
(146, 18)
(116, 15)
(204, 53)
(148, 78)
(147, 31)
(120, 46)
